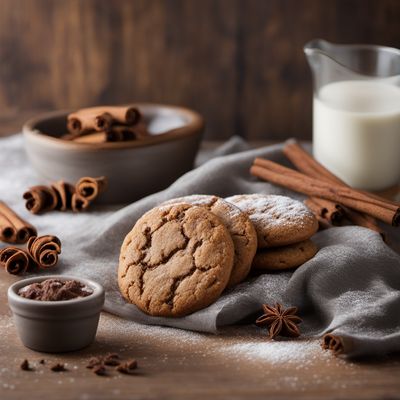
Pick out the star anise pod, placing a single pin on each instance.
(280, 321)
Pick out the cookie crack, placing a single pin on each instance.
(146, 246)
(177, 281)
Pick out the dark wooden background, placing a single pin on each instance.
(239, 62)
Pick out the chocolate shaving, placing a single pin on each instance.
(40, 199)
(15, 260)
(44, 250)
(100, 370)
(127, 367)
(112, 360)
(94, 361)
(25, 366)
(13, 229)
(58, 368)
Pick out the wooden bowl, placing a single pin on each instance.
(134, 169)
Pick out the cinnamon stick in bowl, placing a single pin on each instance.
(101, 118)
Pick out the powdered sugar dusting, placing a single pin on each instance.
(280, 352)
(273, 210)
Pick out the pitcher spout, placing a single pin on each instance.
(355, 61)
(316, 51)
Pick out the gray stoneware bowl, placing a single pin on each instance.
(134, 169)
(56, 326)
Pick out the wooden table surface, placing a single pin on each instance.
(239, 363)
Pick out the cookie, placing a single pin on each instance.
(285, 257)
(239, 226)
(177, 259)
(279, 220)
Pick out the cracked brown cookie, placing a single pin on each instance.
(279, 220)
(239, 226)
(285, 257)
(177, 259)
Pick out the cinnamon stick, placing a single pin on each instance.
(64, 193)
(79, 203)
(15, 260)
(40, 199)
(305, 163)
(89, 188)
(336, 343)
(326, 209)
(64, 196)
(299, 182)
(13, 229)
(8, 233)
(101, 118)
(118, 133)
(92, 138)
(44, 250)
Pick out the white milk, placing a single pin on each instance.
(356, 132)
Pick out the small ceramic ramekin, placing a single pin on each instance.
(56, 326)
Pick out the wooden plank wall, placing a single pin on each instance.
(238, 62)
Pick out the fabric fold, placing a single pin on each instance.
(350, 289)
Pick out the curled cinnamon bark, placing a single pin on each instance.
(89, 188)
(44, 250)
(40, 199)
(294, 180)
(13, 229)
(63, 196)
(79, 203)
(337, 344)
(15, 260)
(64, 193)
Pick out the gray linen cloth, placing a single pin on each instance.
(350, 288)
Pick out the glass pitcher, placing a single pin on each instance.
(356, 112)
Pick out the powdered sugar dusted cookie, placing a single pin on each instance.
(177, 259)
(279, 220)
(239, 226)
(285, 257)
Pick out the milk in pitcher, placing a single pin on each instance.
(356, 132)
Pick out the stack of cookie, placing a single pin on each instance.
(179, 257)
(284, 227)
